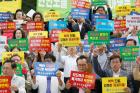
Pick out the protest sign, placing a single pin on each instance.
(40, 44)
(80, 13)
(132, 20)
(45, 69)
(10, 5)
(99, 2)
(129, 53)
(20, 43)
(8, 55)
(4, 16)
(98, 16)
(34, 26)
(7, 26)
(57, 25)
(134, 13)
(74, 3)
(31, 13)
(82, 79)
(98, 38)
(8, 35)
(135, 9)
(54, 34)
(69, 38)
(104, 25)
(86, 46)
(39, 34)
(52, 15)
(116, 43)
(120, 24)
(83, 4)
(5, 84)
(114, 84)
(59, 7)
(19, 70)
(123, 10)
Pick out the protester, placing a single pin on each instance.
(54, 84)
(82, 65)
(9, 68)
(18, 34)
(115, 71)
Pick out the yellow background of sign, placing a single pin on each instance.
(123, 10)
(51, 15)
(11, 6)
(38, 34)
(68, 42)
(119, 89)
(7, 55)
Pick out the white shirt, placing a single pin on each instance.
(19, 82)
(116, 74)
(80, 26)
(102, 59)
(63, 52)
(41, 83)
(69, 64)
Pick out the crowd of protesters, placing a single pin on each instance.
(98, 60)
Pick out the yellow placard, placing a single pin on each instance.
(135, 9)
(123, 10)
(51, 15)
(38, 34)
(114, 84)
(8, 55)
(11, 5)
(69, 38)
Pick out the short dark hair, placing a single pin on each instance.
(135, 43)
(100, 7)
(115, 56)
(13, 64)
(50, 56)
(82, 57)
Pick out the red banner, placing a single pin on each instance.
(82, 79)
(40, 44)
(54, 34)
(8, 35)
(74, 3)
(5, 84)
(7, 26)
(120, 24)
(83, 4)
(34, 26)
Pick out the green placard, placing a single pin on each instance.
(99, 2)
(98, 38)
(19, 70)
(138, 34)
(129, 53)
(20, 43)
(54, 8)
